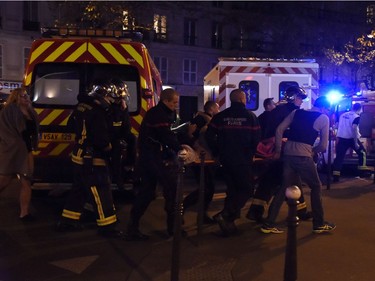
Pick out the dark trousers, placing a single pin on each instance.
(91, 185)
(209, 187)
(240, 187)
(155, 172)
(342, 146)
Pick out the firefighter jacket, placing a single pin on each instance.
(121, 127)
(156, 140)
(233, 135)
(91, 123)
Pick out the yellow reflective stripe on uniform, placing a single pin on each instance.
(336, 173)
(106, 221)
(301, 206)
(56, 53)
(137, 56)
(109, 47)
(98, 202)
(77, 53)
(117, 124)
(83, 133)
(92, 50)
(95, 161)
(259, 202)
(71, 215)
(40, 50)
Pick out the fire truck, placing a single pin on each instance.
(65, 62)
(260, 79)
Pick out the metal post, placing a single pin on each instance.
(179, 209)
(202, 156)
(290, 268)
(329, 165)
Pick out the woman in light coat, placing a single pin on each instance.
(18, 138)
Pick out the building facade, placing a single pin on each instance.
(186, 38)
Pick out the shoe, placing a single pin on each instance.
(28, 218)
(111, 233)
(68, 227)
(227, 228)
(326, 227)
(135, 235)
(271, 229)
(305, 216)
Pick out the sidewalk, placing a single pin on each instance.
(35, 252)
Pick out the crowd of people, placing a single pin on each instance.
(280, 142)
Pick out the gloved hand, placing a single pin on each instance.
(182, 154)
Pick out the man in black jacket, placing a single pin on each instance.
(233, 135)
(158, 147)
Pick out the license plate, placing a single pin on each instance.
(57, 137)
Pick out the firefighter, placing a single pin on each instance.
(91, 121)
(122, 140)
(267, 185)
(158, 147)
(233, 135)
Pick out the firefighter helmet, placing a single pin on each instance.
(99, 90)
(292, 92)
(118, 89)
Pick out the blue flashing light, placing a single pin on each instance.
(334, 96)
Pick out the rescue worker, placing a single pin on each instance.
(158, 148)
(233, 135)
(122, 140)
(198, 127)
(264, 118)
(91, 121)
(268, 185)
(348, 137)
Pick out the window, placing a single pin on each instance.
(190, 72)
(189, 32)
(160, 27)
(217, 35)
(285, 85)
(370, 14)
(251, 89)
(30, 15)
(162, 65)
(26, 52)
(1, 61)
(128, 22)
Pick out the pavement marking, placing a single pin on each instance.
(76, 265)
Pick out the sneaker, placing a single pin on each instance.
(271, 229)
(326, 227)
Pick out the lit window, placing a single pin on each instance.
(162, 65)
(128, 22)
(160, 27)
(190, 72)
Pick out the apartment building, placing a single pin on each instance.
(186, 38)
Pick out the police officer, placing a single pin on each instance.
(91, 122)
(233, 135)
(158, 147)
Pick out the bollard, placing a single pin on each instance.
(179, 211)
(202, 156)
(290, 269)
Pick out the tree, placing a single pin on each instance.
(360, 55)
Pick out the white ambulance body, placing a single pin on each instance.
(260, 79)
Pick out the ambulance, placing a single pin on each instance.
(65, 62)
(260, 79)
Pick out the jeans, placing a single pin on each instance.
(299, 169)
